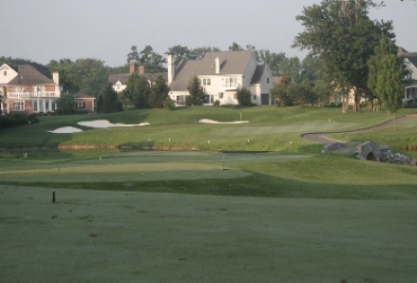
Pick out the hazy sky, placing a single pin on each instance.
(41, 30)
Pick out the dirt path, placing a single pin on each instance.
(321, 138)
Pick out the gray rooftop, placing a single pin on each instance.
(28, 75)
(231, 63)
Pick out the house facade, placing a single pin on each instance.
(221, 74)
(25, 89)
(119, 81)
(410, 92)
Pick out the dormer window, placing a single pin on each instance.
(5, 73)
(267, 80)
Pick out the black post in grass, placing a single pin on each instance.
(53, 197)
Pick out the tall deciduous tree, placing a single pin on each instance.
(388, 75)
(159, 92)
(91, 76)
(197, 93)
(343, 36)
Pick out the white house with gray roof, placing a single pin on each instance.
(221, 74)
(25, 89)
(410, 92)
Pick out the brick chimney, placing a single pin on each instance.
(132, 68)
(141, 70)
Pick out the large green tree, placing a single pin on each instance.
(388, 75)
(196, 91)
(159, 92)
(138, 91)
(65, 104)
(91, 76)
(152, 61)
(108, 101)
(343, 36)
(65, 68)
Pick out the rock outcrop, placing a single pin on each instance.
(372, 151)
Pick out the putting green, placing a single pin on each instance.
(134, 166)
(102, 236)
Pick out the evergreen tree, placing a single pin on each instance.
(159, 92)
(388, 75)
(196, 91)
(65, 104)
(110, 102)
(138, 91)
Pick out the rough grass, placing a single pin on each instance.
(97, 236)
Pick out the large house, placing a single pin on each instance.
(410, 92)
(119, 81)
(221, 74)
(25, 89)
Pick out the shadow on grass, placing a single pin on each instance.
(256, 185)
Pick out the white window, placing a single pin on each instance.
(5, 73)
(53, 105)
(47, 105)
(35, 105)
(254, 97)
(81, 105)
(220, 94)
(206, 82)
(267, 80)
(18, 105)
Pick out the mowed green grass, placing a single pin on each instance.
(103, 236)
(205, 216)
(269, 128)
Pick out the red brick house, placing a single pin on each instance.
(25, 89)
(84, 102)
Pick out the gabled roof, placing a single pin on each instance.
(114, 78)
(28, 75)
(231, 63)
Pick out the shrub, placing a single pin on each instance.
(216, 103)
(17, 119)
(243, 96)
(169, 103)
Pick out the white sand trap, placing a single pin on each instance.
(208, 121)
(66, 130)
(107, 124)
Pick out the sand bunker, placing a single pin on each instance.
(66, 130)
(107, 124)
(208, 121)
